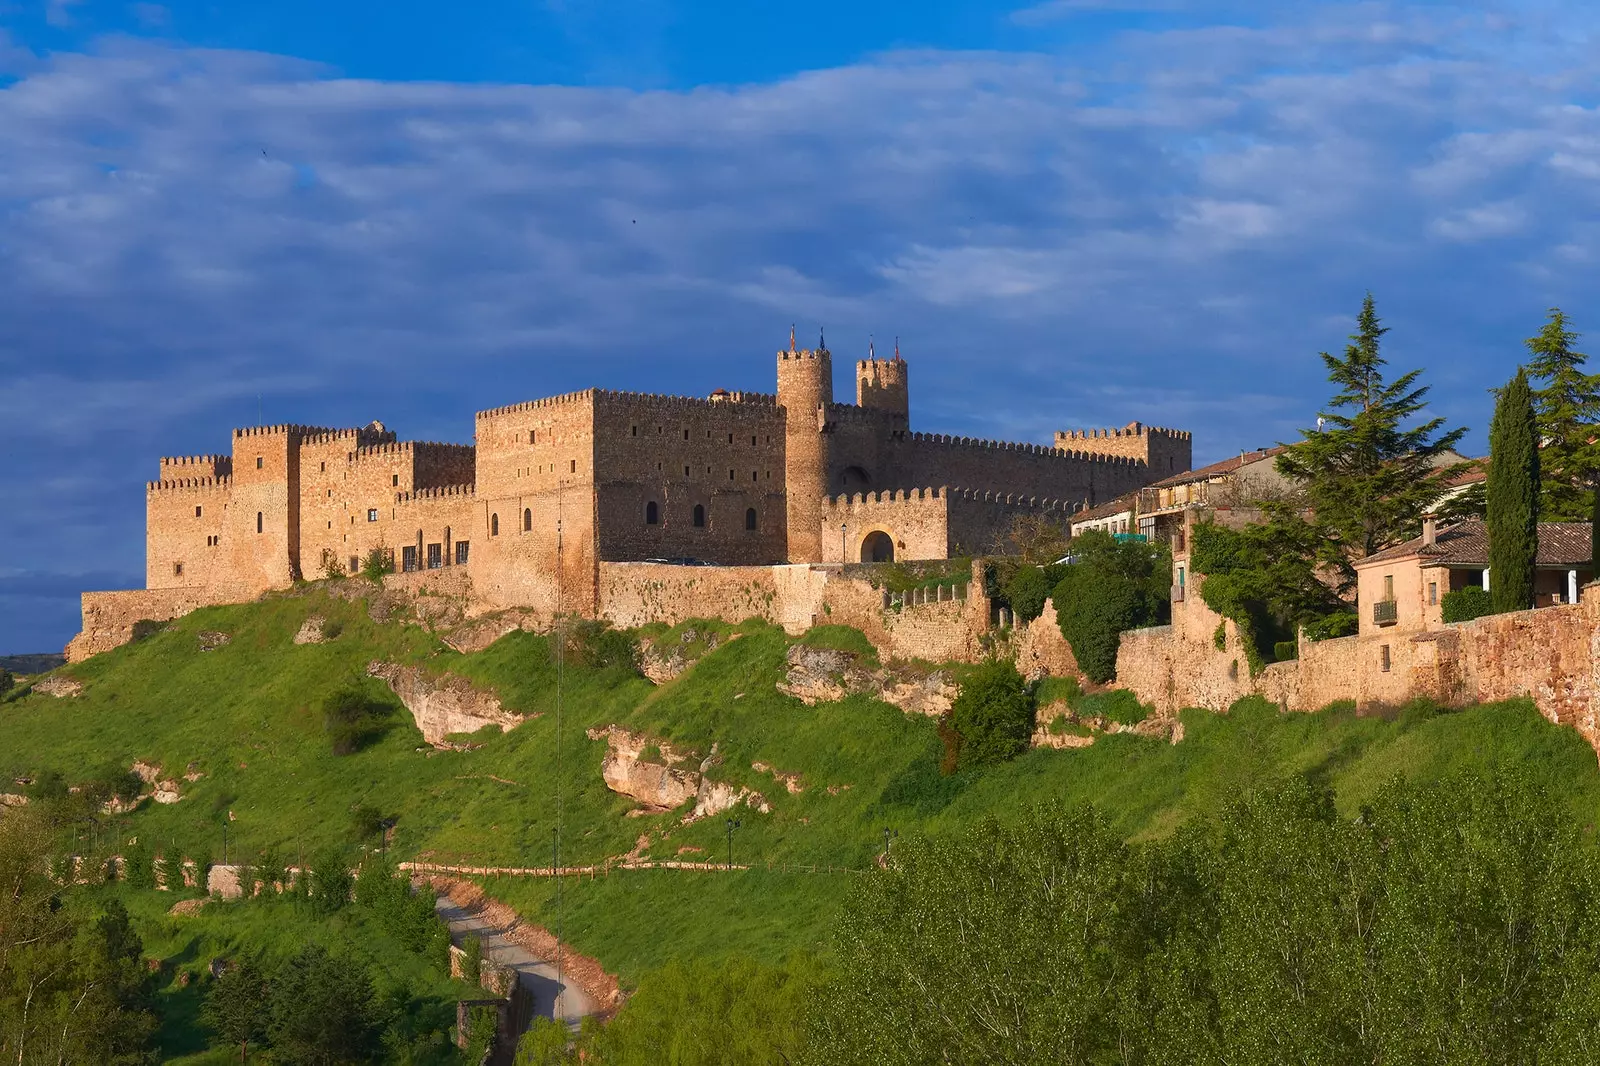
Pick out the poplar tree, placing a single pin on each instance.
(1372, 469)
(1513, 497)
(1568, 406)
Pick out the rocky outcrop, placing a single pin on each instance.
(13, 799)
(478, 634)
(646, 769)
(662, 661)
(310, 631)
(931, 695)
(163, 790)
(445, 704)
(792, 782)
(58, 686)
(823, 675)
(211, 640)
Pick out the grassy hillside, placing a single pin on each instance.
(246, 716)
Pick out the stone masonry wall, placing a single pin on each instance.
(109, 617)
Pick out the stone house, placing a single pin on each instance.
(1402, 588)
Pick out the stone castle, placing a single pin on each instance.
(552, 489)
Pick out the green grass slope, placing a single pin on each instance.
(245, 715)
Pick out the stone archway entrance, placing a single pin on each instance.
(877, 548)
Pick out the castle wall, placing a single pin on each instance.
(725, 455)
(185, 520)
(261, 540)
(1025, 469)
(109, 617)
(536, 477)
(933, 523)
(1550, 655)
(1164, 451)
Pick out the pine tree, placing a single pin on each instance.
(1372, 471)
(1568, 407)
(1513, 497)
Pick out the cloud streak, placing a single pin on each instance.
(1175, 224)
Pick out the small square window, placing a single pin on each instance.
(197, 510)
(258, 462)
(372, 514)
(177, 569)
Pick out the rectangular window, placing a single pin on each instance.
(730, 475)
(574, 466)
(461, 553)
(258, 462)
(635, 431)
(372, 514)
(685, 471)
(355, 564)
(323, 466)
(394, 480)
(435, 556)
(1388, 586)
(177, 569)
(1433, 593)
(1383, 657)
(408, 558)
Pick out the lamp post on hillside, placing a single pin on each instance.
(224, 840)
(842, 560)
(733, 823)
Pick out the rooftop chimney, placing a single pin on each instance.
(1430, 530)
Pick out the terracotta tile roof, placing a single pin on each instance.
(1107, 509)
(1476, 470)
(1215, 470)
(1467, 544)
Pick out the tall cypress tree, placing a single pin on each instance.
(1372, 470)
(1513, 497)
(1568, 406)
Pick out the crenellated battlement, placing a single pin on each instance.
(439, 492)
(803, 354)
(365, 435)
(566, 399)
(186, 465)
(856, 501)
(209, 484)
(1132, 429)
(849, 412)
(1021, 448)
(667, 402)
(403, 447)
(290, 429)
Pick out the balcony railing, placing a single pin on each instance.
(1385, 613)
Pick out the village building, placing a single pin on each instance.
(1402, 588)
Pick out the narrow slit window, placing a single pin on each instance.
(527, 519)
(652, 514)
(699, 516)
(258, 521)
(750, 519)
(197, 510)
(494, 525)
(1383, 657)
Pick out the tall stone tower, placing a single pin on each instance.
(805, 389)
(881, 386)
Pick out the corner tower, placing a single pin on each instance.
(805, 389)
(881, 386)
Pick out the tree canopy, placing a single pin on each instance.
(1513, 497)
(1568, 406)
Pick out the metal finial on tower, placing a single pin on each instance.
(791, 336)
(897, 349)
(870, 354)
(822, 340)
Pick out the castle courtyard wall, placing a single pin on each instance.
(109, 617)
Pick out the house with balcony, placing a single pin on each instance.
(1230, 489)
(1402, 588)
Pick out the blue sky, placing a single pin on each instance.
(1073, 213)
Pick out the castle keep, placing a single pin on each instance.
(553, 488)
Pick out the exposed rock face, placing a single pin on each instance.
(478, 634)
(58, 686)
(443, 705)
(931, 695)
(662, 662)
(823, 675)
(660, 784)
(657, 783)
(310, 631)
(163, 790)
(211, 640)
(13, 799)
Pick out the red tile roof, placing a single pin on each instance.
(1216, 470)
(1467, 544)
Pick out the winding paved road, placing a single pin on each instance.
(535, 975)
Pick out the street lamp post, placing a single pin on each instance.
(842, 559)
(888, 836)
(733, 823)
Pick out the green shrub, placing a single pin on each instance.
(330, 881)
(594, 644)
(1027, 590)
(145, 628)
(993, 714)
(138, 868)
(472, 961)
(1220, 637)
(1285, 650)
(7, 680)
(1113, 586)
(1332, 626)
(377, 563)
(366, 822)
(352, 718)
(1466, 603)
(1114, 705)
(332, 628)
